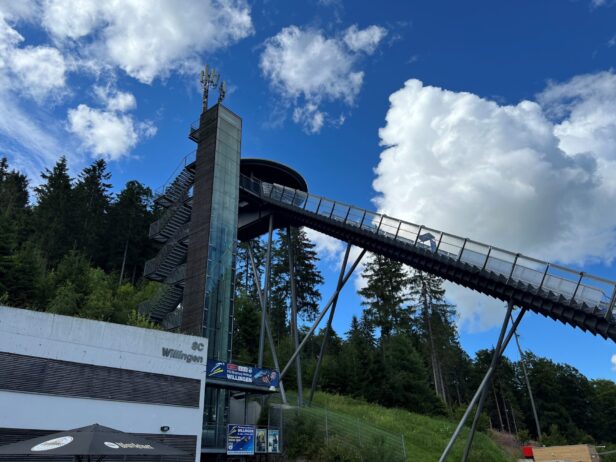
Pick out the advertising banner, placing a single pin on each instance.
(240, 440)
(261, 441)
(249, 375)
(273, 440)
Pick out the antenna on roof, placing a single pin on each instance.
(210, 78)
(222, 91)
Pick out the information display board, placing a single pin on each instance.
(240, 440)
(235, 373)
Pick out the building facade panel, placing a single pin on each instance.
(61, 373)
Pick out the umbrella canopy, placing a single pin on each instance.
(93, 440)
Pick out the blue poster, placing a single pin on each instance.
(260, 377)
(240, 440)
(273, 440)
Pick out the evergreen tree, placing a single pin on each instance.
(14, 214)
(357, 354)
(434, 324)
(92, 200)
(244, 277)
(246, 323)
(54, 214)
(385, 296)
(128, 247)
(307, 280)
(404, 379)
(14, 207)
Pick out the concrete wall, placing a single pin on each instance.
(56, 337)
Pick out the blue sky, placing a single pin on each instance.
(488, 120)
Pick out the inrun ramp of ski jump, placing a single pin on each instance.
(565, 295)
(571, 297)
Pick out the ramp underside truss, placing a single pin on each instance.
(553, 291)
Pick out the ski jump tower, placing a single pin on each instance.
(218, 198)
(203, 217)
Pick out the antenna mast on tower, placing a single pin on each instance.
(210, 78)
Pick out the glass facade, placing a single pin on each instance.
(218, 312)
(223, 236)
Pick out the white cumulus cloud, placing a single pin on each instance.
(148, 38)
(366, 40)
(36, 71)
(41, 70)
(115, 100)
(307, 67)
(534, 177)
(614, 363)
(106, 133)
(309, 117)
(326, 246)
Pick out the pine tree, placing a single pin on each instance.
(358, 353)
(14, 214)
(385, 295)
(434, 323)
(54, 214)
(92, 200)
(307, 281)
(244, 277)
(130, 216)
(14, 196)
(403, 378)
(246, 322)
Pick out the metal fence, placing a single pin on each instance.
(597, 293)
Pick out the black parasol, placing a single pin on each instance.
(93, 442)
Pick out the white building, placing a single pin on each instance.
(59, 372)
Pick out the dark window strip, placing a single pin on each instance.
(31, 374)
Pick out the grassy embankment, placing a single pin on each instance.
(424, 436)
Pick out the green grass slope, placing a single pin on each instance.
(425, 437)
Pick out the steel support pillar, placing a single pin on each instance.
(294, 332)
(315, 378)
(265, 303)
(530, 391)
(322, 315)
(484, 392)
(485, 382)
(270, 339)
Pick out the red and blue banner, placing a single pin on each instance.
(235, 373)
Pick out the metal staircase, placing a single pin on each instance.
(164, 302)
(172, 254)
(571, 297)
(178, 188)
(172, 229)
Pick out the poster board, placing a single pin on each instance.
(273, 441)
(240, 440)
(261, 441)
